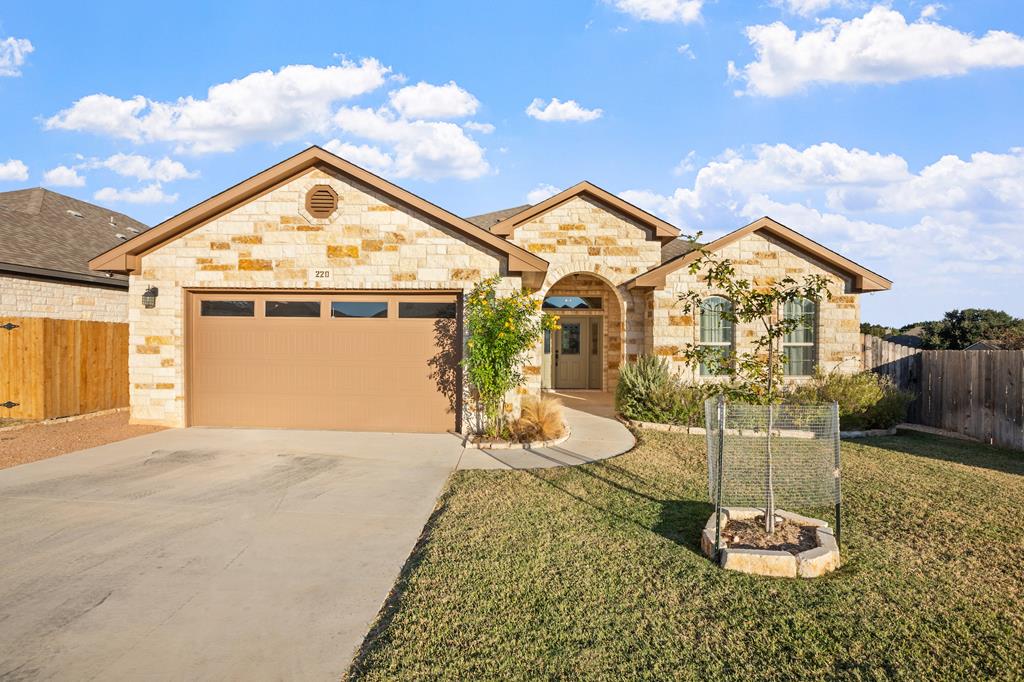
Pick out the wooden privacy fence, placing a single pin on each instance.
(979, 393)
(57, 368)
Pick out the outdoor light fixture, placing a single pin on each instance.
(149, 298)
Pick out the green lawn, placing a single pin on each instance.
(594, 572)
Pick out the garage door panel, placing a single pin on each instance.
(375, 374)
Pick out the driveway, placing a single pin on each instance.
(209, 553)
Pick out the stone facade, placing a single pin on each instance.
(27, 297)
(764, 260)
(583, 236)
(370, 242)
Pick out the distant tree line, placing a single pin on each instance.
(958, 329)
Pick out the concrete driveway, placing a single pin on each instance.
(208, 553)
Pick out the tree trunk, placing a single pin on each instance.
(769, 512)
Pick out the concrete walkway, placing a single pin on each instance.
(594, 435)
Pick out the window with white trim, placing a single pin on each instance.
(716, 335)
(800, 346)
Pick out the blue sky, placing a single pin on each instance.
(890, 132)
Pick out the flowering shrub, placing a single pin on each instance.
(502, 330)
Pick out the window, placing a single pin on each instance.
(359, 309)
(572, 302)
(716, 334)
(227, 308)
(425, 309)
(547, 340)
(570, 338)
(292, 309)
(799, 346)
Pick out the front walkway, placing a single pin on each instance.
(594, 434)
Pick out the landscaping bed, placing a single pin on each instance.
(595, 572)
(42, 440)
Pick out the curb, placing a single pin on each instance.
(522, 446)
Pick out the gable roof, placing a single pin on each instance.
(863, 279)
(125, 257)
(51, 235)
(660, 229)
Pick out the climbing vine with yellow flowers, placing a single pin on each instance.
(502, 330)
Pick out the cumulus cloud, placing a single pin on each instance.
(150, 194)
(367, 156)
(485, 128)
(63, 176)
(663, 11)
(807, 8)
(13, 169)
(879, 47)
(541, 192)
(686, 51)
(144, 168)
(424, 100)
(12, 55)
(920, 227)
(262, 106)
(556, 110)
(422, 149)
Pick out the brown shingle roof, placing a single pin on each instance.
(677, 248)
(489, 220)
(56, 235)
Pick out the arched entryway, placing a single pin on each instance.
(586, 352)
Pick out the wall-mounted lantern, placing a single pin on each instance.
(149, 298)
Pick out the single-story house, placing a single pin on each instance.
(318, 295)
(46, 241)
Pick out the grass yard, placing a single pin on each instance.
(594, 572)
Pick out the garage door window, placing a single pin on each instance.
(359, 309)
(428, 310)
(293, 309)
(227, 309)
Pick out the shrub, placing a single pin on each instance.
(540, 419)
(866, 400)
(648, 391)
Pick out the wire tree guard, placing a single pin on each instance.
(771, 456)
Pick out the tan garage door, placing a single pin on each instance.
(366, 362)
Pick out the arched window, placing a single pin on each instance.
(716, 335)
(800, 346)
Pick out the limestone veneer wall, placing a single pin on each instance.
(582, 235)
(370, 242)
(27, 297)
(761, 260)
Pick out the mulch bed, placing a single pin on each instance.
(788, 536)
(41, 441)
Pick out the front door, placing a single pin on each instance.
(572, 361)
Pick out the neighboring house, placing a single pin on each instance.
(46, 241)
(318, 295)
(989, 344)
(909, 337)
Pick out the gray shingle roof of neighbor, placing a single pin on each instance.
(673, 249)
(50, 234)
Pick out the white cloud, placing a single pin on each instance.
(485, 128)
(664, 11)
(63, 176)
(13, 169)
(364, 155)
(687, 164)
(686, 51)
(931, 11)
(143, 168)
(262, 106)
(150, 194)
(880, 47)
(12, 55)
(422, 149)
(807, 8)
(541, 192)
(424, 100)
(556, 110)
(927, 229)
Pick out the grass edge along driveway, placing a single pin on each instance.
(594, 572)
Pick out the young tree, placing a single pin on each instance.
(758, 371)
(501, 330)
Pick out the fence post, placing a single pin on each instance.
(835, 474)
(718, 486)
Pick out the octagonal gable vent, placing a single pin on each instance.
(321, 201)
